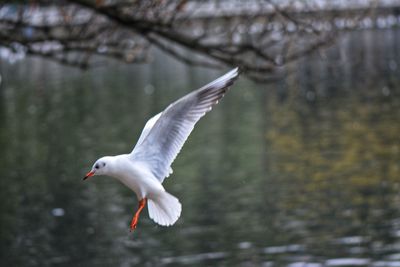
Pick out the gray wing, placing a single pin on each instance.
(149, 124)
(147, 127)
(164, 140)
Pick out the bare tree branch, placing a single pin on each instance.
(261, 37)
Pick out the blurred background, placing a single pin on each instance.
(297, 166)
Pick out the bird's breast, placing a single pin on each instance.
(139, 179)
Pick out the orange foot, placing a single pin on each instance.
(135, 218)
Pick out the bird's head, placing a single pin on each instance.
(100, 167)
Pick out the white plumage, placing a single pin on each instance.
(145, 168)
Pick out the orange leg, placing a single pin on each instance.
(135, 218)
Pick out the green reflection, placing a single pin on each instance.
(276, 173)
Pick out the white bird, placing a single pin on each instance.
(149, 163)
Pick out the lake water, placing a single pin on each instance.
(301, 172)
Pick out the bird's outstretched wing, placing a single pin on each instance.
(149, 124)
(165, 134)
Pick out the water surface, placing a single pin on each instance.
(304, 170)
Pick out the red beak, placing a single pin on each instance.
(91, 173)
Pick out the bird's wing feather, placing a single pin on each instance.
(149, 124)
(162, 143)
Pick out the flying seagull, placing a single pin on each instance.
(149, 163)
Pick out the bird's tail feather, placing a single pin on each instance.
(164, 209)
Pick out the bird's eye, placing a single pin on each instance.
(96, 166)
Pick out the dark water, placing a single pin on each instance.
(303, 172)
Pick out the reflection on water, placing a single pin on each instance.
(304, 172)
